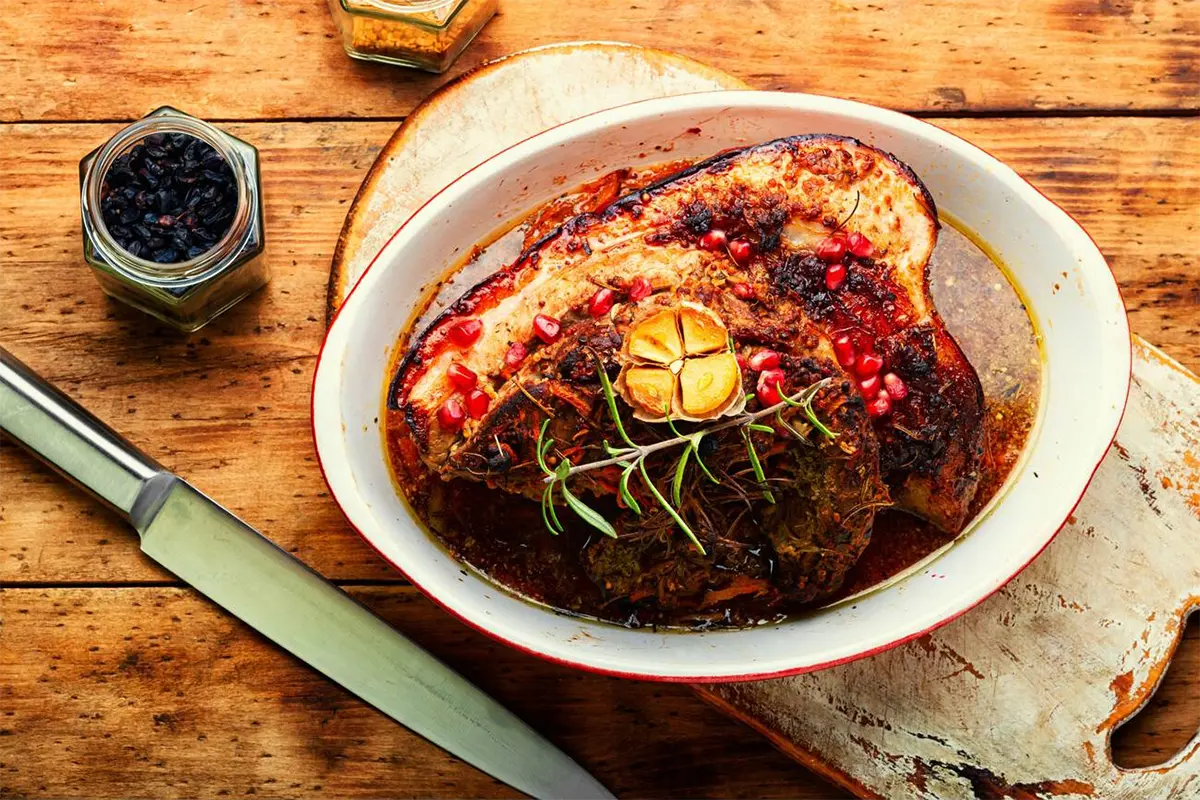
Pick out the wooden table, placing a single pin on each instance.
(117, 681)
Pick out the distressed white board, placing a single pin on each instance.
(1017, 698)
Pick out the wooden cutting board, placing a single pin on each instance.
(1019, 697)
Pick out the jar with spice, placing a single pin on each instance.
(425, 34)
(173, 219)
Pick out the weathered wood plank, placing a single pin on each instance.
(153, 692)
(228, 407)
(255, 59)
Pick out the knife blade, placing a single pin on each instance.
(276, 594)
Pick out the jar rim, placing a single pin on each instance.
(167, 120)
(400, 6)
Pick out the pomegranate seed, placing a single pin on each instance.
(515, 355)
(831, 248)
(743, 290)
(640, 289)
(465, 333)
(868, 364)
(767, 389)
(880, 406)
(843, 350)
(895, 386)
(451, 414)
(462, 377)
(835, 276)
(601, 302)
(769, 381)
(547, 328)
(740, 251)
(477, 403)
(869, 386)
(764, 359)
(713, 240)
(860, 245)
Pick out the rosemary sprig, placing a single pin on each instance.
(633, 458)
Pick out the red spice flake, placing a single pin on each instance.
(764, 359)
(451, 415)
(547, 328)
(740, 251)
(461, 376)
(713, 240)
(640, 289)
(601, 302)
(466, 333)
(477, 403)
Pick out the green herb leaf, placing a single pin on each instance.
(616, 451)
(700, 463)
(788, 426)
(587, 513)
(662, 501)
(671, 423)
(623, 487)
(680, 469)
(754, 426)
(563, 470)
(610, 397)
(756, 465)
(549, 517)
(542, 447)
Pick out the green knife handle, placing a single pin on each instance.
(67, 437)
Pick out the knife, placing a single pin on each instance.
(244, 573)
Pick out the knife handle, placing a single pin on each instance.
(67, 437)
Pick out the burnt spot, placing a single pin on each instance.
(911, 352)
(697, 217)
(804, 278)
(768, 221)
(578, 363)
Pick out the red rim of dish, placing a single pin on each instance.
(750, 676)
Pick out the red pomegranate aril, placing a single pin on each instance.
(740, 251)
(831, 248)
(895, 386)
(515, 355)
(767, 389)
(743, 290)
(880, 406)
(451, 415)
(477, 403)
(843, 350)
(860, 245)
(870, 386)
(764, 359)
(547, 328)
(601, 302)
(835, 276)
(462, 377)
(868, 364)
(640, 289)
(466, 333)
(713, 240)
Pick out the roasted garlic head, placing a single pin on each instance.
(679, 365)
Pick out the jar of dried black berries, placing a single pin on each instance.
(172, 218)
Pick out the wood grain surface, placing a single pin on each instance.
(115, 682)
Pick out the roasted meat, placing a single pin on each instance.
(814, 248)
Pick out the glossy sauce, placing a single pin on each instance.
(503, 536)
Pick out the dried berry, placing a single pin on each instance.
(169, 199)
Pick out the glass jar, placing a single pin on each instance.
(426, 34)
(187, 294)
